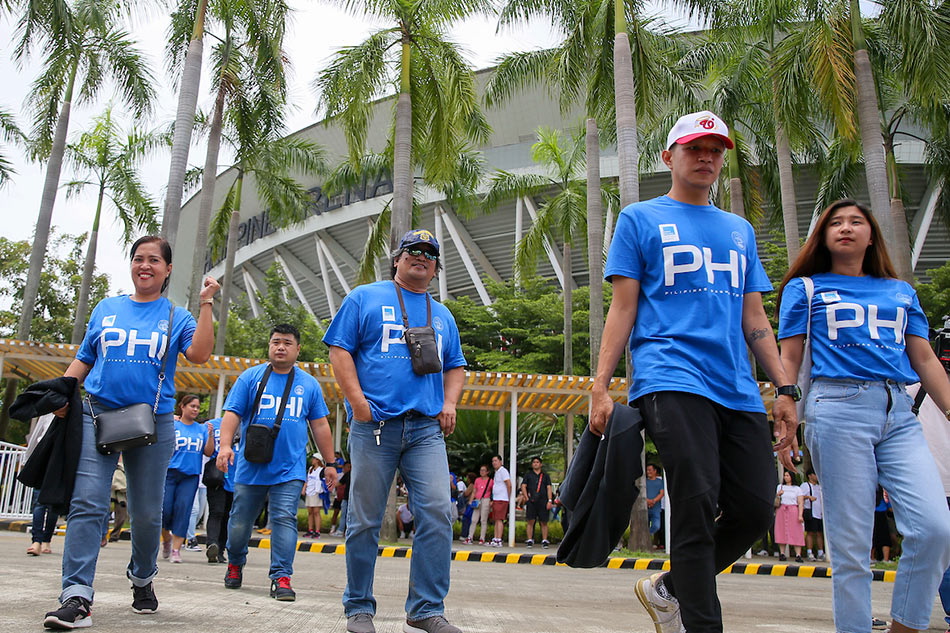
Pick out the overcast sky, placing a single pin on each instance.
(317, 31)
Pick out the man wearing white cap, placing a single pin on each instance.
(687, 284)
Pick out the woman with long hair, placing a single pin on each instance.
(869, 339)
(120, 360)
(192, 440)
(789, 518)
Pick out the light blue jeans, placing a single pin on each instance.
(197, 509)
(944, 590)
(861, 434)
(145, 469)
(413, 443)
(282, 513)
(341, 526)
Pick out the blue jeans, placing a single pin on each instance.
(180, 489)
(282, 513)
(413, 443)
(944, 590)
(341, 526)
(861, 434)
(197, 509)
(44, 520)
(654, 517)
(145, 469)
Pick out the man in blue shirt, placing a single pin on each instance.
(687, 286)
(398, 419)
(281, 478)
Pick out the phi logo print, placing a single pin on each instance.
(903, 298)
(737, 240)
(298, 390)
(108, 321)
(437, 323)
(669, 233)
(389, 313)
(163, 325)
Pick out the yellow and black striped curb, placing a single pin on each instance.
(511, 558)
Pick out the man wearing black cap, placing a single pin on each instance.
(401, 389)
(687, 284)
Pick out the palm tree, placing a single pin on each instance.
(83, 48)
(255, 123)
(251, 35)
(189, 85)
(108, 162)
(561, 216)
(9, 132)
(436, 114)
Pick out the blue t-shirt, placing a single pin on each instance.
(228, 476)
(858, 325)
(123, 343)
(694, 264)
(369, 326)
(189, 447)
(290, 448)
(654, 486)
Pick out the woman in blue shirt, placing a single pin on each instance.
(869, 339)
(119, 360)
(192, 440)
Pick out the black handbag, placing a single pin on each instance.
(212, 477)
(423, 347)
(259, 438)
(133, 425)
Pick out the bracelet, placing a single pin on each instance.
(206, 302)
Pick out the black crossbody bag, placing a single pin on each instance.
(134, 425)
(259, 438)
(423, 347)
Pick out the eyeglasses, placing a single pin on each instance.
(415, 252)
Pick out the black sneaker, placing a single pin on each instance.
(221, 557)
(281, 590)
(144, 600)
(212, 552)
(234, 577)
(545, 544)
(74, 614)
(529, 543)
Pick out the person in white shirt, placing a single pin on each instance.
(814, 530)
(404, 520)
(312, 489)
(500, 498)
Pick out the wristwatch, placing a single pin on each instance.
(792, 391)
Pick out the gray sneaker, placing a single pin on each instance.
(360, 623)
(434, 624)
(663, 608)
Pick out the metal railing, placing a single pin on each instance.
(15, 498)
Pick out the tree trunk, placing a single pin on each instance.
(894, 228)
(625, 95)
(388, 530)
(41, 234)
(208, 181)
(9, 394)
(568, 311)
(401, 219)
(181, 143)
(595, 244)
(88, 267)
(787, 184)
(226, 281)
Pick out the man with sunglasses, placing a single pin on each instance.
(398, 419)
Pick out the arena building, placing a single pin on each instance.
(319, 256)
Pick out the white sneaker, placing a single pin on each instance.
(664, 609)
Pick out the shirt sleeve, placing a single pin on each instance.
(87, 349)
(756, 280)
(237, 401)
(318, 406)
(452, 355)
(916, 319)
(794, 313)
(344, 330)
(187, 332)
(624, 257)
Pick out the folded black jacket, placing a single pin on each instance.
(52, 466)
(600, 488)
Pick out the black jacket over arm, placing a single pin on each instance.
(52, 466)
(600, 488)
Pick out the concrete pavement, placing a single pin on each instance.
(485, 598)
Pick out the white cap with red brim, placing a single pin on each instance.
(692, 126)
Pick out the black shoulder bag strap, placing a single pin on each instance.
(161, 372)
(919, 400)
(260, 391)
(283, 399)
(402, 306)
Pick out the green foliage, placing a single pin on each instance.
(935, 296)
(774, 259)
(247, 336)
(523, 330)
(59, 286)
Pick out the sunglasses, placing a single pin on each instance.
(415, 252)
